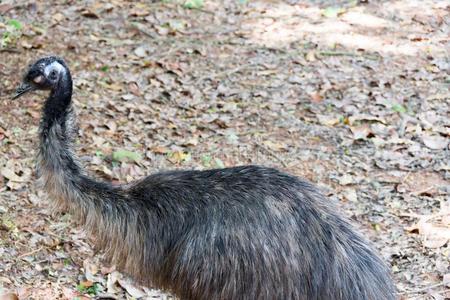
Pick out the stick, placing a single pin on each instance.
(30, 253)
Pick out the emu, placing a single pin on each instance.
(246, 232)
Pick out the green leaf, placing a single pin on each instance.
(398, 108)
(6, 39)
(193, 4)
(67, 262)
(93, 290)
(333, 12)
(15, 23)
(81, 288)
(123, 155)
(7, 223)
(219, 163)
(206, 160)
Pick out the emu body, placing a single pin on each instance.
(246, 232)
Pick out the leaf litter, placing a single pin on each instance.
(351, 95)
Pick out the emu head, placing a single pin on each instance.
(44, 74)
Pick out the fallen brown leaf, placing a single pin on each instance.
(435, 142)
(434, 229)
(9, 296)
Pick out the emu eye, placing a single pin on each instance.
(52, 75)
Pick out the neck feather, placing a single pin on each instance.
(103, 209)
(58, 105)
(59, 169)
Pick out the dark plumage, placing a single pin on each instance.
(246, 232)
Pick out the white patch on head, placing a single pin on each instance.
(54, 66)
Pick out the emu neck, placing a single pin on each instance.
(58, 104)
(99, 206)
(58, 167)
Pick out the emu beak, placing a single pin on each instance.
(22, 89)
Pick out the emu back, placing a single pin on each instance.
(253, 233)
(246, 232)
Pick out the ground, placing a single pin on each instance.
(352, 95)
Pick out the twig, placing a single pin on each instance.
(10, 50)
(342, 53)
(406, 177)
(30, 253)
(423, 289)
(271, 153)
(409, 215)
(106, 296)
(226, 72)
(337, 53)
(417, 193)
(206, 11)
